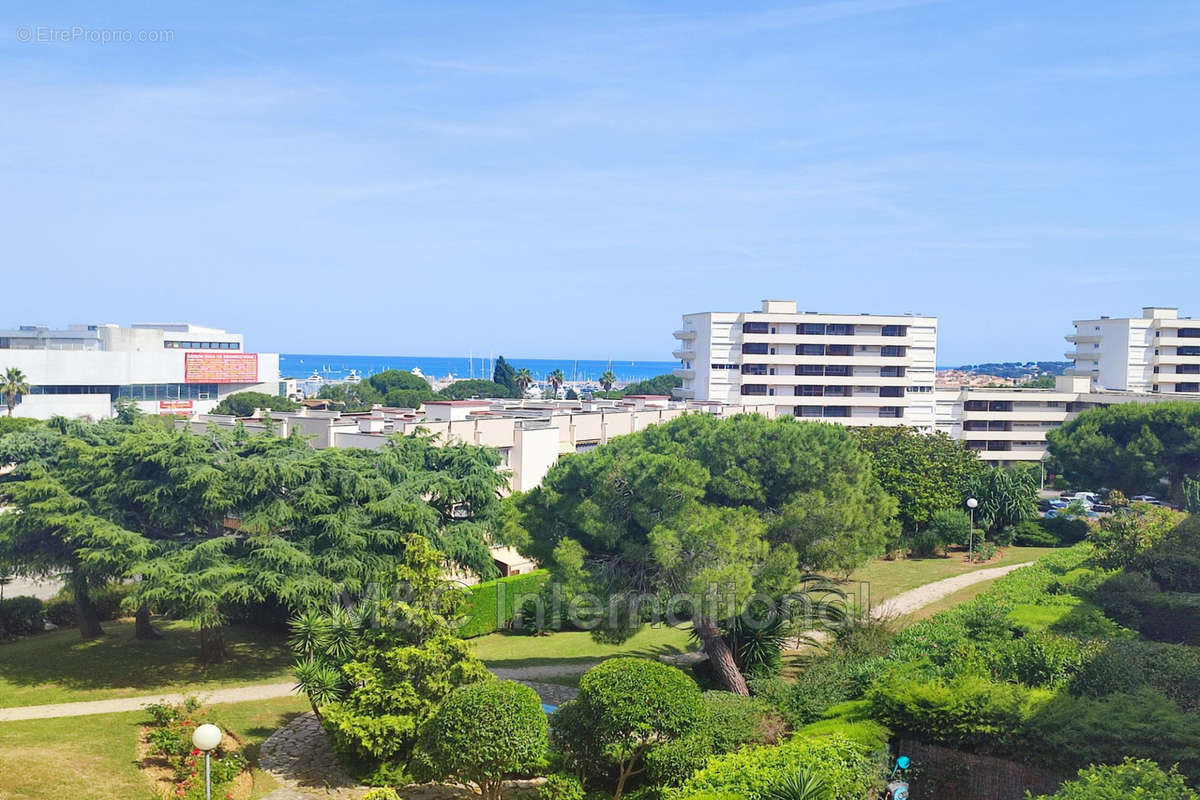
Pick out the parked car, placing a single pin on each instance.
(1143, 498)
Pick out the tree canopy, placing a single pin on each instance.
(464, 390)
(1133, 447)
(242, 404)
(926, 473)
(659, 384)
(506, 376)
(741, 503)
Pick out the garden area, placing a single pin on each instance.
(694, 623)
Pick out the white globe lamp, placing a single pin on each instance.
(206, 738)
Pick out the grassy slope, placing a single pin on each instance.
(59, 667)
(94, 757)
(890, 578)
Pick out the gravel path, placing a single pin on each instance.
(238, 695)
(916, 599)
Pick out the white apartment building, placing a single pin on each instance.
(1009, 425)
(166, 368)
(853, 369)
(1156, 352)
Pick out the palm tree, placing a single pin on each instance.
(607, 380)
(524, 380)
(556, 380)
(13, 386)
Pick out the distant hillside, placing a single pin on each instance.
(1016, 369)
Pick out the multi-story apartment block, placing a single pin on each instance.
(854, 369)
(166, 368)
(1156, 352)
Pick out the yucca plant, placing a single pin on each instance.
(320, 681)
(800, 785)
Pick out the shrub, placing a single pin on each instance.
(846, 767)
(966, 711)
(852, 720)
(624, 704)
(729, 722)
(483, 733)
(381, 793)
(1042, 659)
(1067, 530)
(1124, 666)
(21, 616)
(1131, 778)
(1032, 534)
(107, 599)
(491, 605)
(560, 787)
(1170, 617)
(1075, 731)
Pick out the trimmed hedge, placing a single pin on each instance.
(1131, 778)
(492, 605)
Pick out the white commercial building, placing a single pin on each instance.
(1156, 352)
(853, 369)
(166, 368)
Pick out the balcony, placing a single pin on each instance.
(684, 355)
(1176, 358)
(827, 339)
(686, 374)
(686, 336)
(1088, 338)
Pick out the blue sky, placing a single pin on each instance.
(566, 179)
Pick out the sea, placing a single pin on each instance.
(331, 367)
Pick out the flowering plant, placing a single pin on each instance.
(170, 736)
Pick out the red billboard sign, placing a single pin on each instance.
(220, 368)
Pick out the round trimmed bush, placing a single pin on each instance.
(1131, 778)
(483, 733)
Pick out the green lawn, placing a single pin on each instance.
(59, 667)
(510, 650)
(890, 578)
(95, 757)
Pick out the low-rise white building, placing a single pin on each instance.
(1009, 425)
(852, 369)
(530, 435)
(166, 368)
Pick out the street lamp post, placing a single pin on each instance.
(207, 737)
(972, 504)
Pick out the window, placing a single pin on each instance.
(839, 350)
(837, 391)
(891, 391)
(1189, 333)
(891, 412)
(975, 425)
(1186, 369)
(891, 372)
(754, 388)
(895, 330)
(837, 411)
(810, 349)
(1000, 405)
(812, 329)
(755, 327)
(755, 348)
(809, 391)
(723, 366)
(810, 369)
(170, 345)
(975, 405)
(1187, 387)
(839, 330)
(839, 370)
(892, 351)
(1188, 351)
(807, 411)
